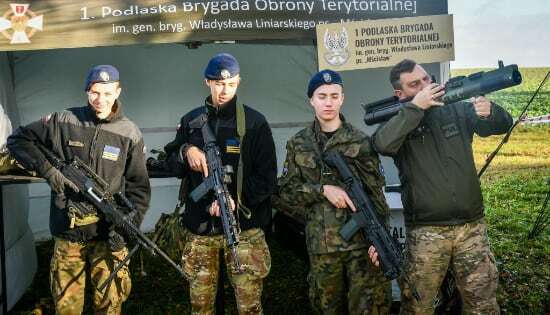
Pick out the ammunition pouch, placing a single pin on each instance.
(81, 213)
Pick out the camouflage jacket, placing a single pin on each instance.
(304, 173)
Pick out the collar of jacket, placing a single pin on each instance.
(320, 137)
(226, 111)
(116, 113)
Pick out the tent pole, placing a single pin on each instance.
(3, 256)
(11, 61)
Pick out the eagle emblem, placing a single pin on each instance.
(337, 47)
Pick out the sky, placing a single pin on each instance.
(515, 31)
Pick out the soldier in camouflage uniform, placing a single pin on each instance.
(204, 233)
(112, 146)
(342, 279)
(432, 147)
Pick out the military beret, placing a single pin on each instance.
(101, 74)
(321, 78)
(222, 66)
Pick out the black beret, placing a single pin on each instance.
(222, 66)
(101, 74)
(323, 77)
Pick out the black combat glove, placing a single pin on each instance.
(58, 181)
(118, 237)
(116, 241)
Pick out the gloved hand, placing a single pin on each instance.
(58, 181)
(116, 241)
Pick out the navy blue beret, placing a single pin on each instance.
(323, 77)
(222, 66)
(101, 74)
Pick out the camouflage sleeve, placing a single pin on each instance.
(368, 167)
(293, 189)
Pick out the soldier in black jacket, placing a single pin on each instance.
(443, 206)
(112, 146)
(201, 219)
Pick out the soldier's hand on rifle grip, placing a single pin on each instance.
(373, 255)
(427, 97)
(58, 181)
(338, 197)
(482, 106)
(197, 160)
(116, 241)
(215, 207)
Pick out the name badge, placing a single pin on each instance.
(77, 144)
(232, 146)
(110, 153)
(449, 130)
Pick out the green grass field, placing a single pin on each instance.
(514, 188)
(515, 98)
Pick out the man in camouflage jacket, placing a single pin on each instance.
(342, 278)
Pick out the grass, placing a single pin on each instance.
(163, 291)
(514, 189)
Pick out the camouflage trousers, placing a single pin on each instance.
(68, 268)
(464, 249)
(347, 283)
(200, 261)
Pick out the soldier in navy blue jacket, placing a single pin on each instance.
(253, 211)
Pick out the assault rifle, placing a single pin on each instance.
(366, 218)
(217, 180)
(456, 89)
(96, 191)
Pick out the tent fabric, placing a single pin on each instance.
(5, 128)
(21, 261)
(160, 83)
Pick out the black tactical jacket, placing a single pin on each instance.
(436, 163)
(259, 160)
(111, 147)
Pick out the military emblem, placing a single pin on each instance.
(104, 76)
(326, 77)
(232, 146)
(110, 153)
(337, 47)
(225, 74)
(22, 22)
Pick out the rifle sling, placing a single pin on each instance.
(241, 131)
